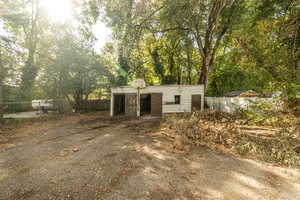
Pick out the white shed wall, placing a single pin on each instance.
(168, 95)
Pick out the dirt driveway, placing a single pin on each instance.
(96, 158)
(23, 115)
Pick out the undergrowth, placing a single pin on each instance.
(223, 132)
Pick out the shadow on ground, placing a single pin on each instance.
(101, 158)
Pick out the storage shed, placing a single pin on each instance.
(156, 100)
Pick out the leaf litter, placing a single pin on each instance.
(226, 133)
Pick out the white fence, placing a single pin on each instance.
(231, 105)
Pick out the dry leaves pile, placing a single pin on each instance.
(223, 132)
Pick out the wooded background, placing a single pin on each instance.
(224, 44)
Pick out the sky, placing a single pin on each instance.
(2, 31)
(61, 11)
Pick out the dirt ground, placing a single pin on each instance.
(94, 157)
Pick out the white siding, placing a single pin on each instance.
(232, 105)
(169, 92)
(112, 105)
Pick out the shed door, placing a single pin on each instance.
(196, 102)
(130, 104)
(156, 104)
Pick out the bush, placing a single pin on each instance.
(264, 114)
(17, 107)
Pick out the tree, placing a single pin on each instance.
(188, 22)
(1, 86)
(269, 41)
(31, 30)
(75, 72)
(26, 25)
(206, 22)
(8, 54)
(223, 44)
(8, 49)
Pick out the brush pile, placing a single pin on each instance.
(223, 132)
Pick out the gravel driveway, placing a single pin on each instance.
(97, 158)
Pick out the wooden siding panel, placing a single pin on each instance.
(156, 104)
(130, 105)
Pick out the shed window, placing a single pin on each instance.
(177, 99)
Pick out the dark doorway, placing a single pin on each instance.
(119, 104)
(145, 104)
(196, 102)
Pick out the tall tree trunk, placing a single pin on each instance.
(203, 79)
(172, 66)
(1, 88)
(209, 43)
(189, 65)
(295, 50)
(28, 77)
(30, 70)
(77, 104)
(1, 100)
(179, 74)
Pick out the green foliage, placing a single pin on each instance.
(75, 72)
(158, 67)
(259, 114)
(230, 78)
(265, 114)
(229, 44)
(123, 71)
